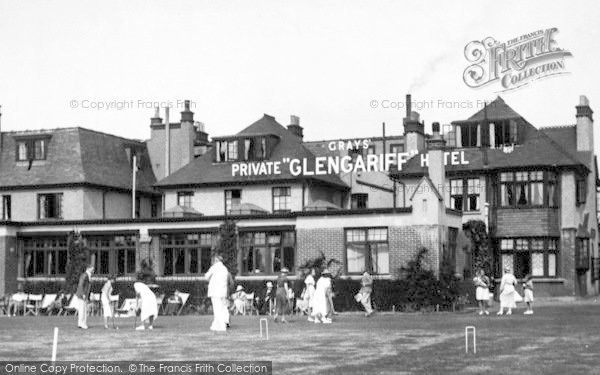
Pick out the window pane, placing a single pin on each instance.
(356, 257)
(507, 261)
(507, 244)
(204, 260)
(381, 258)
(168, 261)
(537, 264)
(179, 261)
(130, 261)
(379, 234)
(552, 265)
(537, 193)
(193, 254)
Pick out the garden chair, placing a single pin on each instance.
(71, 307)
(46, 302)
(159, 303)
(249, 306)
(68, 298)
(33, 304)
(127, 308)
(18, 301)
(184, 299)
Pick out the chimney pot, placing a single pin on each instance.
(294, 120)
(435, 127)
(408, 106)
(186, 114)
(187, 105)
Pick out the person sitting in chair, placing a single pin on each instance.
(56, 305)
(173, 303)
(239, 300)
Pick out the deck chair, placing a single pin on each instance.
(249, 306)
(159, 303)
(46, 302)
(33, 304)
(184, 299)
(127, 308)
(71, 307)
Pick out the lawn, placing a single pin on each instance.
(557, 339)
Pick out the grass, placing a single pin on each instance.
(557, 339)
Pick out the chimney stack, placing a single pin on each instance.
(414, 131)
(156, 120)
(435, 168)
(186, 114)
(295, 128)
(585, 125)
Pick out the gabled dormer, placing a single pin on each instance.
(496, 125)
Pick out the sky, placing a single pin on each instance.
(326, 62)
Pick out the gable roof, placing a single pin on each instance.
(427, 180)
(545, 147)
(75, 156)
(497, 109)
(205, 171)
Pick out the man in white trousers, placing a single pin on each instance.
(82, 294)
(218, 277)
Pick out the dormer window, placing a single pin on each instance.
(505, 132)
(31, 149)
(227, 151)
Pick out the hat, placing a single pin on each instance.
(285, 270)
(239, 287)
(325, 272)
(269, 284)
(507, 269)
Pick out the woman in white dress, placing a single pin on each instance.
(321, 298)
(309, 293)
(508, 294)
(146, 302)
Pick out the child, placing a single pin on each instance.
(105, 299)
(482, 291)
(528, 291)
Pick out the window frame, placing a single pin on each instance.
(185, 194)
(358, 198)
(58, 206)
(248, 245)
(30, 149)
(45, 246)
(508, 180)
(550, 246)
(228, 210)
(6, 207)
(198, 242)
(276, 207)
(369, 264)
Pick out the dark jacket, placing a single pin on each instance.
(83, 288)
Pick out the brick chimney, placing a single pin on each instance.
(156, 120)
(585, 125)
(186, 114)
(435, 150)
(295, 128)
(414, 131)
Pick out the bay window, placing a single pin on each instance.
(187, 253)
(535, 256)
(528, 189)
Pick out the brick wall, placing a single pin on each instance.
(527, 222)
(404, 243)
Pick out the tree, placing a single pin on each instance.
(227, 245)
(77, 260)
(147, 274)
(422, 287)
(480, 249)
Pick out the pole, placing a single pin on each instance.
(54, 344)
(167, 143)
(133, 186)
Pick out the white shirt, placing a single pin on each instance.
(218, 278)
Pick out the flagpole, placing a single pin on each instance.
(134, 168)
